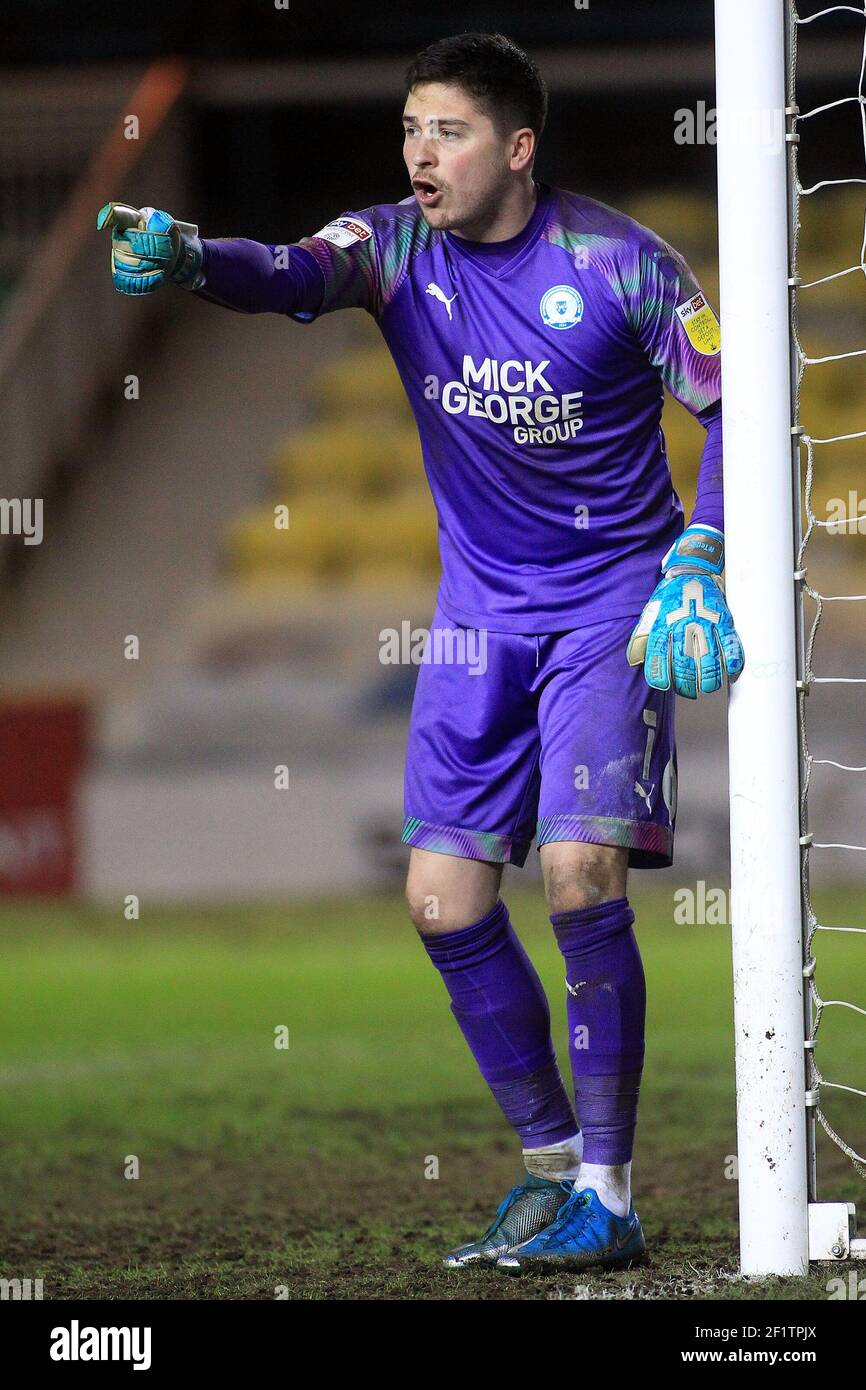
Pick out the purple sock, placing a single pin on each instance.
(502, 1010)
(606, 1018)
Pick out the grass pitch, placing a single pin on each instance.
(346, 1164)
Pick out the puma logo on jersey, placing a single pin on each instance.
(442, 297)
(644, 794)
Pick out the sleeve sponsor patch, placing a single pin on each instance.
(345, 231)
(701, 325)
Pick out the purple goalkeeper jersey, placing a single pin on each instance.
(536, 371)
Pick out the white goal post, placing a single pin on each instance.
(782, 1225)
(762, 718)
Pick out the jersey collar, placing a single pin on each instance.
(497, 258)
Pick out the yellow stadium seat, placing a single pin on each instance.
(686, 220)
(362, 383)
(362, 459)
(331, 536)
(313, 544)
(398, 528)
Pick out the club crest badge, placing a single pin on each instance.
(561, 307)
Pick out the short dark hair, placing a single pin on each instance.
(503, 80)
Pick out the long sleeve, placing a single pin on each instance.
(254, 278)
(709, 506)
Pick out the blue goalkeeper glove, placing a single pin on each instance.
(149, 247)
(686, 636)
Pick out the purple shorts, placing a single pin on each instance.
(553, 736)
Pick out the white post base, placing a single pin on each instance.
(831, 1232)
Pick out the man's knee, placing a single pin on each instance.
(444, 893)
(578, 875)
(424, 907)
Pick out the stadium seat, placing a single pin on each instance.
(363, 458)
(363, 382)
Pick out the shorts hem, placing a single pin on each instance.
(465, 844)
(650, 846)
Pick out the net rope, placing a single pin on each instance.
(819, 1005)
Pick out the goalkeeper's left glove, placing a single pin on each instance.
(148, 247)
(686, 636)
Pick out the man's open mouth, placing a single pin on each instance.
(426, 192)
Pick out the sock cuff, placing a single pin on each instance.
(588, 916)
(586, 926)
(471, 943)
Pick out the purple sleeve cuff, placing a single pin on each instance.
(257, 279)
(709, 506)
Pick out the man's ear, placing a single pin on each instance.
(523, 147)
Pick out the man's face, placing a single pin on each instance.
(458, 162)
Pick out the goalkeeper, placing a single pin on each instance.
(535, 331)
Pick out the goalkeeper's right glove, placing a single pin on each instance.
(149, 247)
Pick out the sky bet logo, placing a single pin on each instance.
(516, 395)
(76, 1343)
